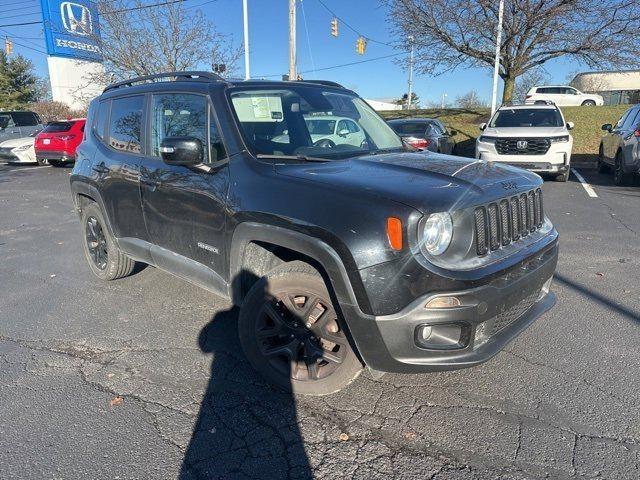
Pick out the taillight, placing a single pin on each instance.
(420, 143)
(66, 137)
(527, 96)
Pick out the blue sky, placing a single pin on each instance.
(268, 25)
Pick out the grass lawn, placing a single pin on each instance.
(586, 135)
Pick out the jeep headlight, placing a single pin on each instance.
(562, 139)
(437, 233)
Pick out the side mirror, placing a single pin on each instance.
(181, 151)
(607, 127)
(570, 125)
(343, 133)
(482, 126)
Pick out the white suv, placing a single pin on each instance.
(563, 96)
(534, 137)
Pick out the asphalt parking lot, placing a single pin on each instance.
(143, 377)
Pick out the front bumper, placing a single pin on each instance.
(54, 155)
(504, 307)
(556, 160)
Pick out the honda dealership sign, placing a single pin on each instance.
(72, 29)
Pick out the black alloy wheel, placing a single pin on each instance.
(300, 336)
(96, 243)
(292, 334)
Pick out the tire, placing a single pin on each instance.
(602, 167)
(290, 332)
(563, 177)
(105, 259)
(588, 103)
(41, 161)
(620, 177)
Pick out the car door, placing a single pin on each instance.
(356, 136)
(572, 97)
(184, 206)
(628, 138)
(611, 139)
(116, 166)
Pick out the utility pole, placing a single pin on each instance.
(409, 99)
(245, 18)
(292, 40)
(496, 65)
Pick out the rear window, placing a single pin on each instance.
(527, 117)
(57, 127)
(25, 119)
(415, 128)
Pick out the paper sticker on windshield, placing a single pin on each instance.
(258, 108)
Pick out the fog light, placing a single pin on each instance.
(545, 289)
(443, 302)
(441, 337)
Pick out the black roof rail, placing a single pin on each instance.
(328, 83)
(189, 75)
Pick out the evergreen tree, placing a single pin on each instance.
(18, 83)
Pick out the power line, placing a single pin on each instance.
(339, 66)
(18, 8)
(139, 7)
(21, 15)
(350, 27)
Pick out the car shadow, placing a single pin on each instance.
(245, 427)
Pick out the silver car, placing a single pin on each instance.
(424, 134)
(15, 124)
(620, 147)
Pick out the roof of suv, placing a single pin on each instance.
(528, 106)
(166, 79)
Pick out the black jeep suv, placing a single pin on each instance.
(299, 203)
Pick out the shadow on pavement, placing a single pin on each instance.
(607, 302)
(245, 428)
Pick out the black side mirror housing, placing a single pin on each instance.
(607, 127)
(181, 151)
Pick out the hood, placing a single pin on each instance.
(16, 142)
(528, 132)
(428, 182)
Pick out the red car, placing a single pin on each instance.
(58, 141)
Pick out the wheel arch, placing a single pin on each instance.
(257, 248)
(82, 193)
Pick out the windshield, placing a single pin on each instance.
(527, 117)
(310, 121)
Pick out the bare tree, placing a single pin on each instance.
(137, 40)
(470, 100)
(451, 34)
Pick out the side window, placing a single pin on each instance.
(125, 124)
(25, 119)
(542, 90)
(353, 128)
(622, 119)
(178, 115)
(100, 120)
(631, 120)
(218, 151)
(342, 125)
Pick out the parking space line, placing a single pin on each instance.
(589, 189)
(27, 168)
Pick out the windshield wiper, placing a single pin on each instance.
(302, 158)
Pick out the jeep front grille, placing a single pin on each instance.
(522, 146)
(508, 220)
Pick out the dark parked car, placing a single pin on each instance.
(424, 134)
(339, 255)
(620, 147)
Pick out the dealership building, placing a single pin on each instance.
(621, 87)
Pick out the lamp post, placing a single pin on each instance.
(245, 18)
(496, 64)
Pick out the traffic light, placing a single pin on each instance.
(8, 46)
(219, 67)
(361, 45)
(334, 27)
